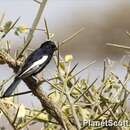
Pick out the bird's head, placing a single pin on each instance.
(49, 45)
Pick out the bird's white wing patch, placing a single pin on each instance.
(36, 64)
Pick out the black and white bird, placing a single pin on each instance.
(34, 64)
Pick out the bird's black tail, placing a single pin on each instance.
(12, 87)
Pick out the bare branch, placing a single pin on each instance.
(34, 25)
(10, 28)
(33, 85)
(37, 1)
(47, 31)
(72, 36)
(119, 46)
(4, 110)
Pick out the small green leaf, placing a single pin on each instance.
(7, 26)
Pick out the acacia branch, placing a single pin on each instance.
(33, 85)
(4, 110)
(34, 26)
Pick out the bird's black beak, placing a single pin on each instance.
(56, 48)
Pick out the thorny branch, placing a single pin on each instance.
(31, 82)
(34, 25)
(34, 84)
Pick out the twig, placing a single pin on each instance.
(37, 29)
(18, 94)
(46, 27)
(10, 28)
(86, 90)
(37, 1)
(22, 93)
(120, 82)
(83, 69)
(55, 87)
(77, 122)
(5, 81)
(33, 85)
(58, 58)
(25, 124)
(104, 71)
(112, 113)
(3, 109)
(108, 107)
(71, 89)
(119, 46)
(2, 18)
(72, 107)
(16, 116)
(34, 25)
(6, 58)
(73, 69)
(71, 37)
